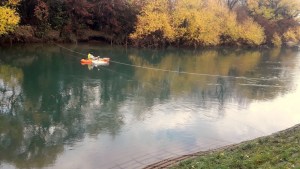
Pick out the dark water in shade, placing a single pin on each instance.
(57, 113)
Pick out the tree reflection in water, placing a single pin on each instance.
(245, 75)
(48, 100)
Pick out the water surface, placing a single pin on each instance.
(147, 105)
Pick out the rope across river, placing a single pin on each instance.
(172, 160)
(172, 71)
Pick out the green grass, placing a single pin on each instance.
(281, 150)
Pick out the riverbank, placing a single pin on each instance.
(279, 150)
(30, 34)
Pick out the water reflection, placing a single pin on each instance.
(50, 103)
(243, 76)
(10, 78)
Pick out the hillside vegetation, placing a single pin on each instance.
(153, 23)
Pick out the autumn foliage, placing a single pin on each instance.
(195, 23)
(279, 18)
(159, 23)
(8, 16)
(292, 34)
(154, 24)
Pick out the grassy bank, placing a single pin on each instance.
(280, 150)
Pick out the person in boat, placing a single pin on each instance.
(91, 57)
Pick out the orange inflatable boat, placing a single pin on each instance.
(86, 61)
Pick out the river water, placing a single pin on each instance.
(145, 106)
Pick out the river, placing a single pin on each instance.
(145, 106)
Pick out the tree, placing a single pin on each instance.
(79, 12)
(41, 13)
(154, 24)
(288, 8)
(292, 35)
(241, 29)
(276, 41)
(195, 23)
(115, 18)
(57, 14)
(275, 9)
(198, 22)
(275, 16)
(230, 3)
(252, 33)
(9, 18)
(26, 10)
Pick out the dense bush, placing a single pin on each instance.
(154, 23)
(195, 23)
(8, 16)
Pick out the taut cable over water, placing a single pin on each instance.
(129, 116)
(180, 72)
(173, 71)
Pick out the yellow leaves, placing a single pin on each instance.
(275, 9)
(193, 21)
(291, 7)
(197, 23)
(8, 20)
(201, 29)
(248, 31)
(252, 32)
(292, 35)
(230, 26)
(253, 5)
(262, 7)
(150, 23)
(154, 17)
(13, 2)
(276, 40)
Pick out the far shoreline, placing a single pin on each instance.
(88, 36)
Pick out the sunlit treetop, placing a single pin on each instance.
(11, 3)
(9, 19)
(154, 17)
(275, 9)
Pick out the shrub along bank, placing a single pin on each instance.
(153, 23)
